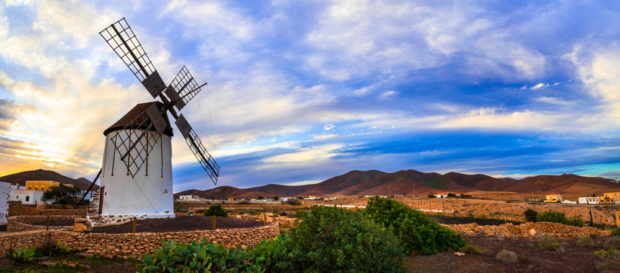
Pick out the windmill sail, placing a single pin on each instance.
(183, 88)
(200, 152)
(124, 42)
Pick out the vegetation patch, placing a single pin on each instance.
(216, 210)
(416, 231)
(558, 217)
(333, 239)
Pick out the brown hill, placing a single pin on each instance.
(22, 177)
(409, 182)
(222, 192)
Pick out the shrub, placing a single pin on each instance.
(333, 239)
(551, 216)
(415, 230)
(22, 255)
(470, 249)
(198, 257)
(292, 201)
(615, 231)
(585, 242)
(547, 243)
(216, 210)
(530, 215)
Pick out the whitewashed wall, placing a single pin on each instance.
(5, 191)
(147, 195)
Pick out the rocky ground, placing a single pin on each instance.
(528, 229)
(521, 254)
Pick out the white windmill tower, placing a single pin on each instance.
(136, 177)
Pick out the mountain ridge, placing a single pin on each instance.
(407, 182)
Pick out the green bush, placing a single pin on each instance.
(547, 243)
(471, 249)
(198, 257)
(530, 215)
(415, 230)
(551, 216)
(333, 239)
(615, 231)
(22, 255)
(216, 210)
(558, 217)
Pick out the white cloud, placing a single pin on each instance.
(539, 86)
(388, 94)
(601, 74)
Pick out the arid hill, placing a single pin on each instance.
(22, 177)
(409, 182)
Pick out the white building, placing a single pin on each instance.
(189, 197)
(588, 200)
(568, 202)
(443, 195)
(148, 194)
(5, 192)
(26, 197)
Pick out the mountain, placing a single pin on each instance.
(409, 182)
(22, 177)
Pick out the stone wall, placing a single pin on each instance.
(134, 244)
(15, 240)
(26, 222)
(32, 210)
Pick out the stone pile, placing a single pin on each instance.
(529, 229)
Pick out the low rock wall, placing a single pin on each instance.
(134, 244)
(15, 240)
(32, 210)
(26, 222)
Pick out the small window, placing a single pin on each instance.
(27, 198)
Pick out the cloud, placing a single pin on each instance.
(539, 86)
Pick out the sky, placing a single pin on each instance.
(301, 91)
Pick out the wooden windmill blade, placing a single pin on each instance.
(205, 159)
(183, 88)
(125, 44)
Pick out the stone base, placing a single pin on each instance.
(107, 219)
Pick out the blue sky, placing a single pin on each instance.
(302, 91)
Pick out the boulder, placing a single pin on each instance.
(507, 256)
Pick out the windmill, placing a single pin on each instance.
(136, 177)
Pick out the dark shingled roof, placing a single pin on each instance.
(129, 117)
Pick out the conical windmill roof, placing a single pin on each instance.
(129, 120)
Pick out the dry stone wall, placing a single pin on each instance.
(26, 222)
(15, 240)
(134, 244)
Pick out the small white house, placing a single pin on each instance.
(27, 197)
(588, 200)
(5, 192)
(443, 195)
(568, 202)
(189, 197)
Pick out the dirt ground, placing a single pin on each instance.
(569, 258)
(179, 223)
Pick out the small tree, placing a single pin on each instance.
(260, 197)
(216, 210)
(62, 195)
(276, 198)
(530, 215)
